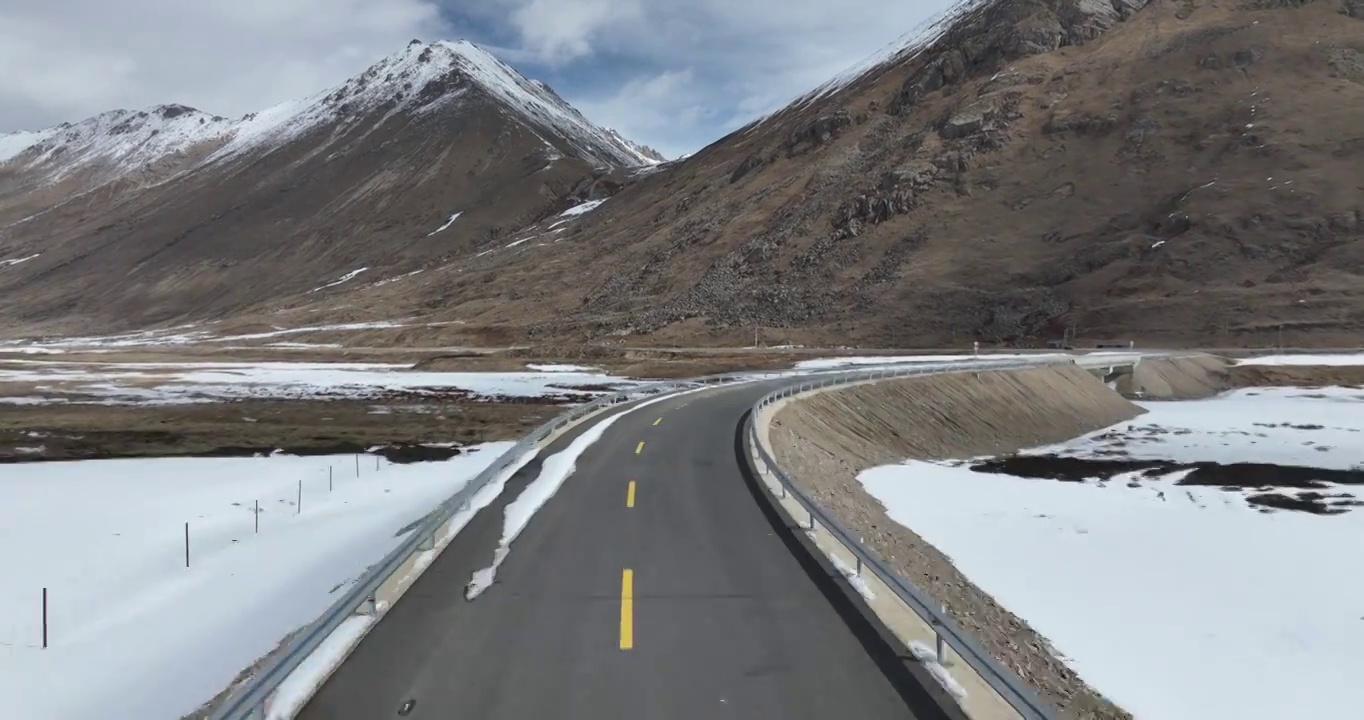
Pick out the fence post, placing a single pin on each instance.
(186, 543)
(44, 618)
(300, 497)
(257, 517)
(329, 478)
(376, 462)
(357, 465)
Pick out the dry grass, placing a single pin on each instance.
(69, 432)
(1297, 375)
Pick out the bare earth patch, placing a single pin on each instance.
(75, 432)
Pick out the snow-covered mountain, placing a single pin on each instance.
(439, 150)
(153, 144)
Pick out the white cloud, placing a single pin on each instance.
(557, 31)
(65, 60)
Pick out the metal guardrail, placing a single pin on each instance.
(249, 700)
(1023, 699)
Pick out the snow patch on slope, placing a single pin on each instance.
(16, 261)
(447, 224)
(582, 209)
(343, 279)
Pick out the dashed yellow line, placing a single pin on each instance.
(630, 495)
(656, 422)
(627, 609)
(639, 448)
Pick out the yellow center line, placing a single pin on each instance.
(639, 448)
(630, 495)
(627, 609)
(658, 421)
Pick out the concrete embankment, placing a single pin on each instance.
(825, 439)
(1193, 377)
(1188, 377)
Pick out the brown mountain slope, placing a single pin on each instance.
(1188, 175)
(1192, 173)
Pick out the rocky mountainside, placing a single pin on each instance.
(136, 218)
(1166, 171)
(1178, 171)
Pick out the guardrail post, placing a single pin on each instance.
(427, 543)
(370, 606)
(811, 514)
(941, 645)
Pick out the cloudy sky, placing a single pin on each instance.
(675, 74)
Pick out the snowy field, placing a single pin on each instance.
(106, 538)
(1176, 601)
(1316, 427)
(838, 362)
(46, 381)
(1347, 359)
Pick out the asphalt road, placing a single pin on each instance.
(685, 597)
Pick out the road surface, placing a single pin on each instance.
(657, 583)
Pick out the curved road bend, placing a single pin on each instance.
(728, 617)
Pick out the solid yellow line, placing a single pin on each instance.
(639, 448)
(658, 421)
(630, 495)
(627, 609)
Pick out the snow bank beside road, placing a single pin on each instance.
(554, 471)
(135, 634)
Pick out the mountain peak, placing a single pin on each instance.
(421, 79)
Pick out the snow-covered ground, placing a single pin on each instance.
(1176, 601)
(126, 616)
(827, 363)
(172, 383)
(1340, 359)
(1317, 427)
